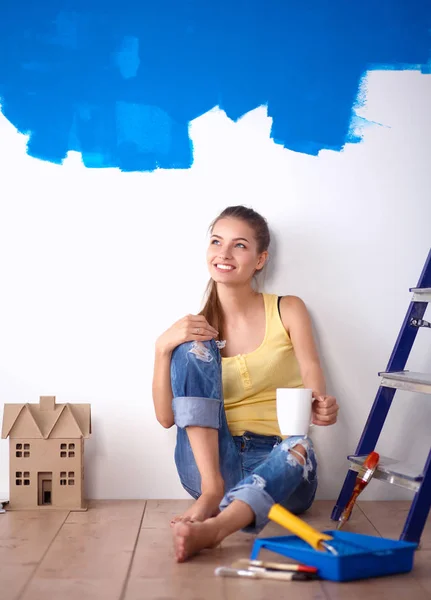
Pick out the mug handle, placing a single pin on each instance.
(311, 422)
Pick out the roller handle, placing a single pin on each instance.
(286, 519)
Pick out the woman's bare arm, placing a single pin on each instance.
(162, 390)
(297, 322)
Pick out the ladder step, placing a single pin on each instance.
(421, 294)
(392, 471)
(408, 381)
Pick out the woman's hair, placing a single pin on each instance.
(212, 310)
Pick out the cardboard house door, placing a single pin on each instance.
(44, 489)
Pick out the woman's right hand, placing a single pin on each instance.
(187, 329)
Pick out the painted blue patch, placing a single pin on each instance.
(120, 82)
(127, 58)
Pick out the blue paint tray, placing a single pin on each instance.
(358, 556)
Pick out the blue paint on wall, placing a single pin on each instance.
(127, 57)
(121, 81)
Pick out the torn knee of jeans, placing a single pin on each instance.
(258, 481)
(295, 458)
(201, 352)
(301, 458)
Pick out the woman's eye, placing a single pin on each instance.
(239, 245)
(215, 242)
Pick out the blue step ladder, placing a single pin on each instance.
(395, 377)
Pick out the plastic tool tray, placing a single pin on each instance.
(358, 556)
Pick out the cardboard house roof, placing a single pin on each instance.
(46, 420)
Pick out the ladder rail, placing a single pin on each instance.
(367, 444)
(406, 337)
(407, 334)
(419, 508)
(397, 362)
(376, 419)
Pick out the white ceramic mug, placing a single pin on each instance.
(294, 412)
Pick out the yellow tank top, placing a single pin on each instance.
(250, 380)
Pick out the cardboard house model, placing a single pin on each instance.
(46, 442)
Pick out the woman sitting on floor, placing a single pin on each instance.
(215, 378)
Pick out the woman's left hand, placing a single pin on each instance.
(325, 410)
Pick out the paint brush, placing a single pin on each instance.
(367, 471)
(260, 573)
(273, 566)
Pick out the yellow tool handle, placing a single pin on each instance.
(286, 519)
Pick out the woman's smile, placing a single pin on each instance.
(225, 268)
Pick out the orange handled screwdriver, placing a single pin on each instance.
(364, 476)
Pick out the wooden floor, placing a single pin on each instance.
(121, 550)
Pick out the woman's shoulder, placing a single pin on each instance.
(291, 302)
(287, 304)
(292, 308)
(286, 300)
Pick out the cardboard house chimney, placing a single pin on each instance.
(46, 458)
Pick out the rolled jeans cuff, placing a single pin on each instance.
(192, 411)
(258, 500)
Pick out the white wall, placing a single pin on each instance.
(96, 263)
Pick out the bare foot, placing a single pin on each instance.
(191, 538)
(205, 507)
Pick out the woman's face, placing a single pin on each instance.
(232, 255)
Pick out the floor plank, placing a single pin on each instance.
(422, 569)
(389, 518)
(25, 536)
(91, 555)
(122, 550)
(396, 587)
(155, 574)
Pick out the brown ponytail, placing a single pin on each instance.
(212, 309)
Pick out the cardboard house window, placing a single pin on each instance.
(66, 451)
(22, 450)
(22, 478)
(67, 478)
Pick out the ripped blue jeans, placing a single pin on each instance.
(257, 469)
